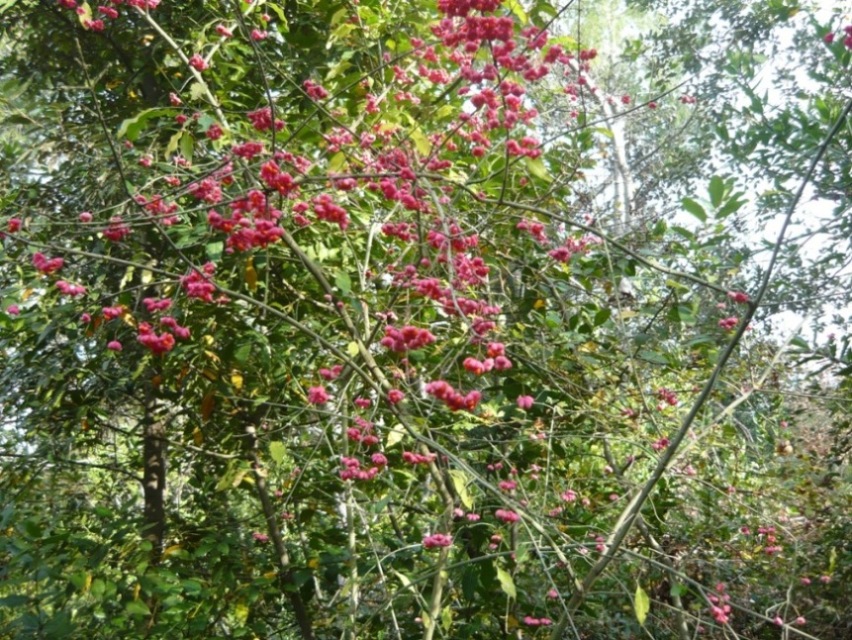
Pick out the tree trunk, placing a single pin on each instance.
(154, 481)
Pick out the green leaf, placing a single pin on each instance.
(277, 451)
(470, 582)
(214, 250)
(653, 356)
(716, 191)
(506, 583)
(343, 282)
(81, 580)
(340, 33)
(33, 528)
(800, 342)
(5, 5)
(684, 233)
(447, 618)
(242, 352)
(602, 316)
(460, 482)
(14, 601)
(197, 90)
(137, 608)
(172, 145)
(694, 208)
(98, 588)
(186, 145)
(641, 605)
(405, 580)
(283, 24)
(731, 206)
(536, 167)
(132, 127)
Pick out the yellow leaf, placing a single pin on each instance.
(212, 355)
(197, 436)
(241, 612)
(337, 162)
(641, 604)
(352, 349)
(207, 405)
(460, 482)
(237, 380)
(507, 585)
(518, 10)
(539, 304)
(396, 434)
(421, 142)
(172, 549)
(251, 275)
(447, 618)
(84, 14)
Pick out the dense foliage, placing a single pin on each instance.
(354, 320)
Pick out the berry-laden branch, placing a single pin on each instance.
(383, 242)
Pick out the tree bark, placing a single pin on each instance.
(154, 480)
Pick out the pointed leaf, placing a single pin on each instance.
(132, 127)
(716, 191)
(641, 604)
(447, 618)
(197, 90)
(343, 282)
(396, 435)
(251, 275)
(137, 608)
(506, 583)
(277, 451)
(536, 167)
(460, 482)
(694, 208)
(421, 142)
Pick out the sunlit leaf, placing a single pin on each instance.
(507, 584)
(641, 604)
